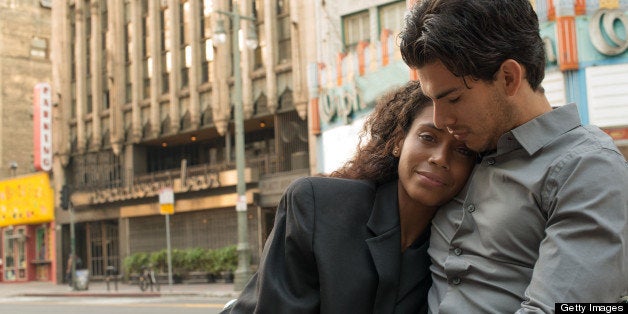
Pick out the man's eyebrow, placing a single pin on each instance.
(445, 93)
(430, 125)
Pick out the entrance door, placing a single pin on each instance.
(14, 254)
(103, 247)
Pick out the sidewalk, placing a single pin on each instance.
(99, 289)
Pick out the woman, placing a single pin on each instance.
(357, 243)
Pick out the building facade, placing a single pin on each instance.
(587, 54)
(358, 59)
(26, 220)
(144, 94)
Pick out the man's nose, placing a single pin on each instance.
(442, 116)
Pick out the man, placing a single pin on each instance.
(543, 217)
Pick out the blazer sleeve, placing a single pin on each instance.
(287, 278)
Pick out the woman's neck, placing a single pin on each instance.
(414, 219)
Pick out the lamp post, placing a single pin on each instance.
(243, 272)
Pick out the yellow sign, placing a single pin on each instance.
(166, 209)
(26, 200)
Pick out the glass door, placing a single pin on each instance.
(14, 254)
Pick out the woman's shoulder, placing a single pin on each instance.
(318, 182)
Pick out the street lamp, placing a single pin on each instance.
(243, 272)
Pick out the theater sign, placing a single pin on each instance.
(42, 127)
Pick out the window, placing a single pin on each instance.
(206, 46)
(39, 48)
(185, 41)
(41, 244)
(146, 72)
(127, 52)
(283, 31)
(165, 49)
(258, 12)
(391, 16)
(104, 16)
(73, 61)
(355, 28)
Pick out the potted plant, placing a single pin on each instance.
(226, 259)
(132, 266)
(194, 265)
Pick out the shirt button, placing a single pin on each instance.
(457, 251)
(471, 208)
(491, 161)
(455, 281)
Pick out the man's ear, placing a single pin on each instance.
(512, 73)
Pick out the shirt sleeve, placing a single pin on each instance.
(583, 255)
(287, 277)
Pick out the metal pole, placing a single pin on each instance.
(168, 249)
(72, 247)
(243, 272)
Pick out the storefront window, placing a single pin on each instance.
(41, 244)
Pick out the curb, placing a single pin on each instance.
(128, 294)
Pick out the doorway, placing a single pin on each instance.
(103, 250)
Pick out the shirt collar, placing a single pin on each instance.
(540, 131)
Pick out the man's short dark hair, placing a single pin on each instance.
(474, 37)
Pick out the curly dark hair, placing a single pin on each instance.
(384, 129)
(474, 37)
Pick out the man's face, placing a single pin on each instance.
(476, 113)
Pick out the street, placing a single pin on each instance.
(108, 305)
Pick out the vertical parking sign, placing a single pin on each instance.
(166, 201)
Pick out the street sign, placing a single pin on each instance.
(166, 201)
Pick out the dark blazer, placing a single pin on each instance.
(336, 248)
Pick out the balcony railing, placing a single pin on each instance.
(185, 178)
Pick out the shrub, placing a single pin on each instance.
(226, 258)
(133, 263)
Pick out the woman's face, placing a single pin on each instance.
(433, 165)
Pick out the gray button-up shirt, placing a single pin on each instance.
(542, 220)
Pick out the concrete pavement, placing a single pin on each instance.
(99, 289)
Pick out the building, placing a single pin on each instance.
(358, 59)
(26, 217)
(144, 93)
(587, 54)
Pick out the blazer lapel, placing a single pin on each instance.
(385, 246)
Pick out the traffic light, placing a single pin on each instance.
(65, 197)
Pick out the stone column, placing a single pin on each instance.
(221, 107)
(270, 28)
(299, 85)
(155, 30)
(195, 73)
(137, 75)
(96, 70)
(81, 74)
(175, 61)
(246, 55)
(115, 69)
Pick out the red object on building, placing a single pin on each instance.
(339, 73)
(384, 42)
(581, 7)
(617, 134)
(551, 10)
(362, 46)
(42, 127)
(567, 43)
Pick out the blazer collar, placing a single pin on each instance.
(385, 214)
(385, 246)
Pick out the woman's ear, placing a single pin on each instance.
(511, 73)
(397, 149)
